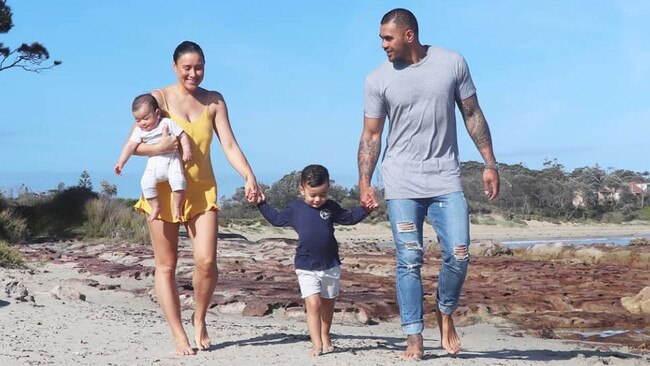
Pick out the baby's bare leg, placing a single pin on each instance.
(178, 197)
(155, 208)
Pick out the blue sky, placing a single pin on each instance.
(556, 79)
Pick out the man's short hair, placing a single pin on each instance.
(402, 18)
(314, 175)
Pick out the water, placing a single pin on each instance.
(618, 240)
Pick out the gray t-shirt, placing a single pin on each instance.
(421, 155)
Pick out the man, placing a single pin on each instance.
(418, 89)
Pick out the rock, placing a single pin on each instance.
(638, 304)
(488, 249)
(18, 291)
(256, 309)
(231, 308)
(640, 241)
(64, 293)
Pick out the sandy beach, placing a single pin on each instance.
(73, 317)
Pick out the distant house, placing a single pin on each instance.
(607, 194)
(639, 189)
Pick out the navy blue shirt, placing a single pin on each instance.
(317, 248)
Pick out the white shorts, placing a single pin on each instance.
(326, 283)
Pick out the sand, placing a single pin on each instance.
(118, 327)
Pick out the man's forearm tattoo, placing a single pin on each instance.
(367, 158)
(477, 126)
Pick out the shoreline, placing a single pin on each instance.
(501, 231)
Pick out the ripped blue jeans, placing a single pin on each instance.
(449, 216)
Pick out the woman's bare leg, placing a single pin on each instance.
(164, 239)
(202, 229)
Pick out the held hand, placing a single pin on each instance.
(367, 198)
(168, 143)
(260, 197)
(251, 190)
(491, 183)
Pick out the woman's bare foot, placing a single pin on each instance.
(414, 347)
(183, 347)
(201, 336)
(448, 337)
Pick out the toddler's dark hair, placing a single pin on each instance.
(314, 175)
(144, 99)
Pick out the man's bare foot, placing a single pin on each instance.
(183, 347)
(414, 347)
(448, 337)
(200, 333)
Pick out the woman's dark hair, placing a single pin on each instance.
(144, 99)
(314, 175)
(188, 47)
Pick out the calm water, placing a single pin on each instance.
(618, 240)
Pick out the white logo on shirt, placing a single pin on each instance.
(325, 214)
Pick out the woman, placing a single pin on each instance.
(199, 112)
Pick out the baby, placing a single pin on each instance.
(160, 168)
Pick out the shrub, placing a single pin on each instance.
(13, 228)
(55, 214)
(9, 257)
(116, 220)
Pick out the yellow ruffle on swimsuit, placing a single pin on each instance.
(201, 187)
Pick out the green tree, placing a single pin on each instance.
(85, 181)
(283, 191)
(29, 57)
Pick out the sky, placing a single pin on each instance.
(565, 80)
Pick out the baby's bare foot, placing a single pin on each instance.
(155, 211)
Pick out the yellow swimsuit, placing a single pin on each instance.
(201, 187)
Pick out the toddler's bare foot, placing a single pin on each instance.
(316, 351)
(327, 344)
(414, 347)
(183, 347)
(201, 336)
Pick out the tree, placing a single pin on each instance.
(29, 57)
(107, 189)
(84, 181)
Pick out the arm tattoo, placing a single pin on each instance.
(477, 126)
(367, 157)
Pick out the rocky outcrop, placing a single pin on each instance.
(543, 287)
(639, 303)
